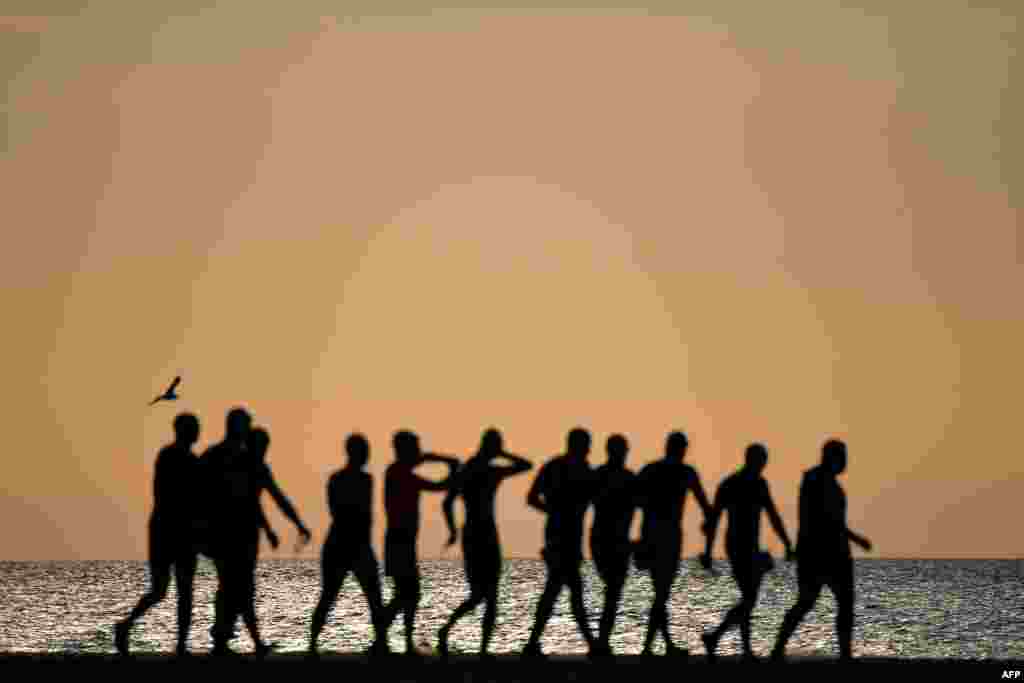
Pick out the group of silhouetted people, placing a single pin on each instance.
(210, 505)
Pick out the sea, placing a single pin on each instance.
(962, 609)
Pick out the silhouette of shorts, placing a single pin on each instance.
(400, 554)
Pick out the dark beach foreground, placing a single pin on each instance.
(466, 668)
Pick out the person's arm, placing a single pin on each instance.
(710, 526)
(776, 521)
(265, 525)
(454, 490)
(285, 506)
(864, 543)
(698, 490)
(537, 497)
(518, 465)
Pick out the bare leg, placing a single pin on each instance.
(185, 570)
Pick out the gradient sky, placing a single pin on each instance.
(748, 223)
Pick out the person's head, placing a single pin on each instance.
(675, 446)
(186, 428)
(238, 424)
(833, 456)
(258, 441)
(756, 457)
(358, 450)
(491, 444)
(578, 443)
(617, 448)
(407, 446)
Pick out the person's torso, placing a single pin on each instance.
(822, 531)
(237, 481)
(614, 509)
(479, 491)
(744, 496)
(666, 485)
(353, 492)
(402, 498)
(569, 489)
(173, 485)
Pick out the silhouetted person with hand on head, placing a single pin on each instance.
(477, 483)
(402, 489)
(663, 486)
(823, 549)
(237, 475)
(563, 490)
(615, 502)
(743, 496)
(171, 532)
(348, 547)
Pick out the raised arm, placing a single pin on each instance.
(454, 490)
(426, 484)
(518, 465)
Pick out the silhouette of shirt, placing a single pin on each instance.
(174, 479)
(743, 496)
(822, 531)
(567, 485)
(402, 488)
(349, 496)
(479, 489)
(614, 504)
(236, 482)
(663, 486)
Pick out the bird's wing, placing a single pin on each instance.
(155, 400)
(175, 383)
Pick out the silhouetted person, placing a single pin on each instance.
(743, 496)
(477, 482)
(823, 556)
(237, 477)
(347, 547)
(614, 506)
(663, 486)
(171, 541)
(402, 489)
(563, 490)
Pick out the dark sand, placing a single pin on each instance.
(467, 668)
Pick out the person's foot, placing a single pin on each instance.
(182, 651)
(778, 655)
(750, 658)
(710, 645)
(599, 651)
(264, 649)
(442, 642)
(673, 650)
(378, 648)
(647, 652)
(121, 630)
(532, 650)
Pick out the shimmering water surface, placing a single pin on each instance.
(905, 608)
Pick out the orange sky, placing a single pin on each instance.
(747, 225)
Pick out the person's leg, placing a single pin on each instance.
(367, 573)
(546, 605)
(741, 575)
(579, 609)
(409, 594)
(749, 590)
(247, 581)
(809, 587)
(223, 625)
(332, 578)
(185, 571)
(843, 589)
(160, 561)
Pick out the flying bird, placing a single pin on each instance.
(168, 395)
